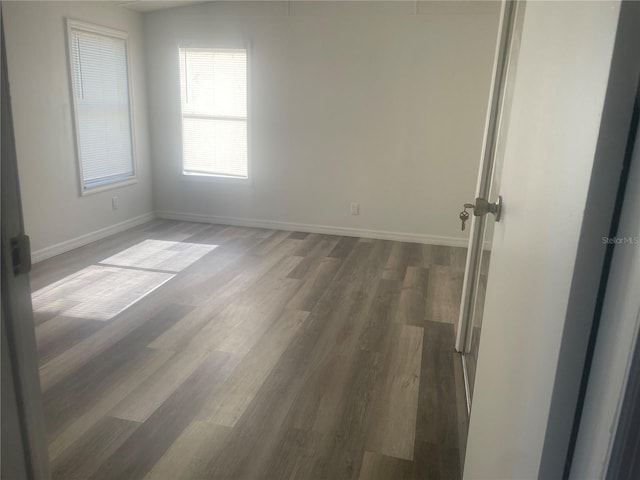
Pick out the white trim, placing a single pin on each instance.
(311, 228)
(109, 185)
(67, 245)
(73, 24)
(212, 178)
(99, 29)
(218, 177)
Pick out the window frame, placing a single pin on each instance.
(115, 182)
(207, 177)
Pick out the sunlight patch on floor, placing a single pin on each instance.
(97, 292)
(100, 292)
(160, 255)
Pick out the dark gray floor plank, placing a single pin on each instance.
(437, 414)
(85, 456)
(78, 391)
(382, 467)
(298, 235)
(137, 455)
(116, 329)
(413, 300)
(344, 247)
(313, 257)
(62, 333)
(436, 461)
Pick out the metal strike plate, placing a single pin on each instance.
(21, 254)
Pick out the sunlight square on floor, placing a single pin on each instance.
(159, 255)
(97, 292)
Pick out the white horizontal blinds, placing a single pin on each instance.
(214, 111)
(101, 89)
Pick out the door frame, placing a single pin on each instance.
(26, 455)
(623, 461)
(611, 378)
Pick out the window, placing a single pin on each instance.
(100, 84)
(213, 84)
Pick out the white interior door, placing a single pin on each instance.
(481, 226)
(559, 89)
(24, 449)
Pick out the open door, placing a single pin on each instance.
(556, 158)
(487, 208)
(24, 450)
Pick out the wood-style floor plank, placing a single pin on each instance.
(221, 290)
(117, 328)
(93, 380)
(436, 461)
(187, 457)
(376, 466)
(443, 294)
(437, 387)
(92, 448)
(439, 255)
(344, 442)
(275, 355)
(315, 285)
(85, 419)
(153, 391)
(245, 381)
(413, 299)
(396, 400)
(60, 333)
(312, 257)
(146, 446)
(396, 266)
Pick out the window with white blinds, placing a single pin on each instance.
(213, 85)
(100, 81)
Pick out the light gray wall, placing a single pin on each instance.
(55, 214)
(382, 103)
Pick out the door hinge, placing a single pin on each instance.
(21, 254)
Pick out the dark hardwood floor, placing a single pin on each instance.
(274, 355)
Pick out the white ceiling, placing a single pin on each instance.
(152, 5)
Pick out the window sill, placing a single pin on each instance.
(204, 178)
(108, 186)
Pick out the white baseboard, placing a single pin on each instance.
(310, 228)
(67, 245)
(62, 247)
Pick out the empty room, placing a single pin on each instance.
(262, 239)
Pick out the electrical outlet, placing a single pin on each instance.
(114, 203)
(355, 208)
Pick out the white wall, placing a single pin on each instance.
(56, 216)
(379, 103)
(560, 87)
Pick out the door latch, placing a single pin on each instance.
(21, 254)
(481, 208)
